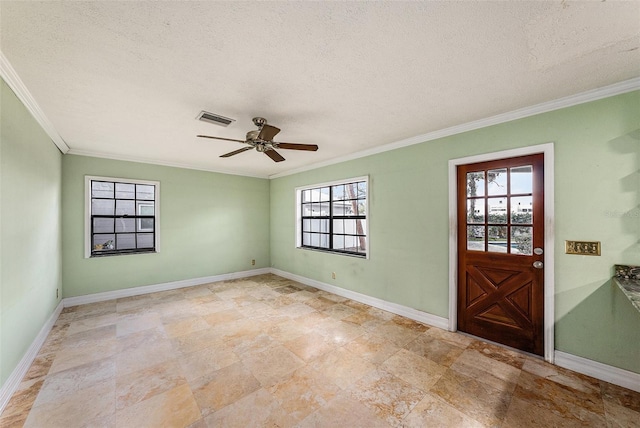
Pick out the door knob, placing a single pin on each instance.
(538, 264)
(538, 251)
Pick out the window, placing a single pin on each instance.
(333, 217)
(122, 216)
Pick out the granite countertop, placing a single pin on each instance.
(628, 279)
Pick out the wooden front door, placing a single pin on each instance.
(500, 251)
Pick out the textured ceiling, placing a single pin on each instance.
(127, 79)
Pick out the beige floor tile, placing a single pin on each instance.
(399, 335)
(342, 367)
(76, 410)
(338, 332)
(562, 376)
(310, 346)
(134, 323)
(269, 352)
(456, 339)
(441, 352)
(223, 387)
(522, 414)
(185, 326)
(22, 401)
(563, 400)
(475, 399)
(285, 331)
(513, 358)
(85, 347)
(135, 387)
(63, 384)
(264, 411)
(434, 412)
(303, 392)
(204, 362)
(272, 365)
(418, 371)
(197, 340)
(89, 323)
(621, 396)
(494, 373)
(40, 366)
(391, 398)
(343, 411)
(340, 311)
(372, 348)
(410, 324)
(173, 408)
(620, 416)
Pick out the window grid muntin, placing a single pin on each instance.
(309, 199)
(509, 225)
(137, 218)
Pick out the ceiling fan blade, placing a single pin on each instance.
(294, 146)
(268, 132)
(244, 149)
(220, 138)
(277, 157)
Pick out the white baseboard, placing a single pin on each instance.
(146, 289)
(607, 373)
(16, 376)
(405, 311)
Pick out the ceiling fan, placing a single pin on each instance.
(262, 140)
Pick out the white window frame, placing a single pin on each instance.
(87, 211)
(298, 228)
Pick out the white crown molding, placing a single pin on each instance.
(607, 373)
(160, 163)
(405, 311)
(13, 381)
(10, 76)
(146, 289)
(572, 100)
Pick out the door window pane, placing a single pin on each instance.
(475, 210)
(475, 238)
(497, 210)
(522, 179)
(497, 239)
(475, 183)
(522, 209)
(521, 242)
(497, 181)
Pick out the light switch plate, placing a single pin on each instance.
(582, 248)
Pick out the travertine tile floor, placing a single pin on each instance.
(266, 351)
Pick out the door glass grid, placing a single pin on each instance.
(499, 206)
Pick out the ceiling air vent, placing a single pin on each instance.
(214, 118)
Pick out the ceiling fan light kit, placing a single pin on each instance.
(262, 140)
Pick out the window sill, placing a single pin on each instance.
(340, 253)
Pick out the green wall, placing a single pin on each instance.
(597, 197)
(30, 229)
(210, 224)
